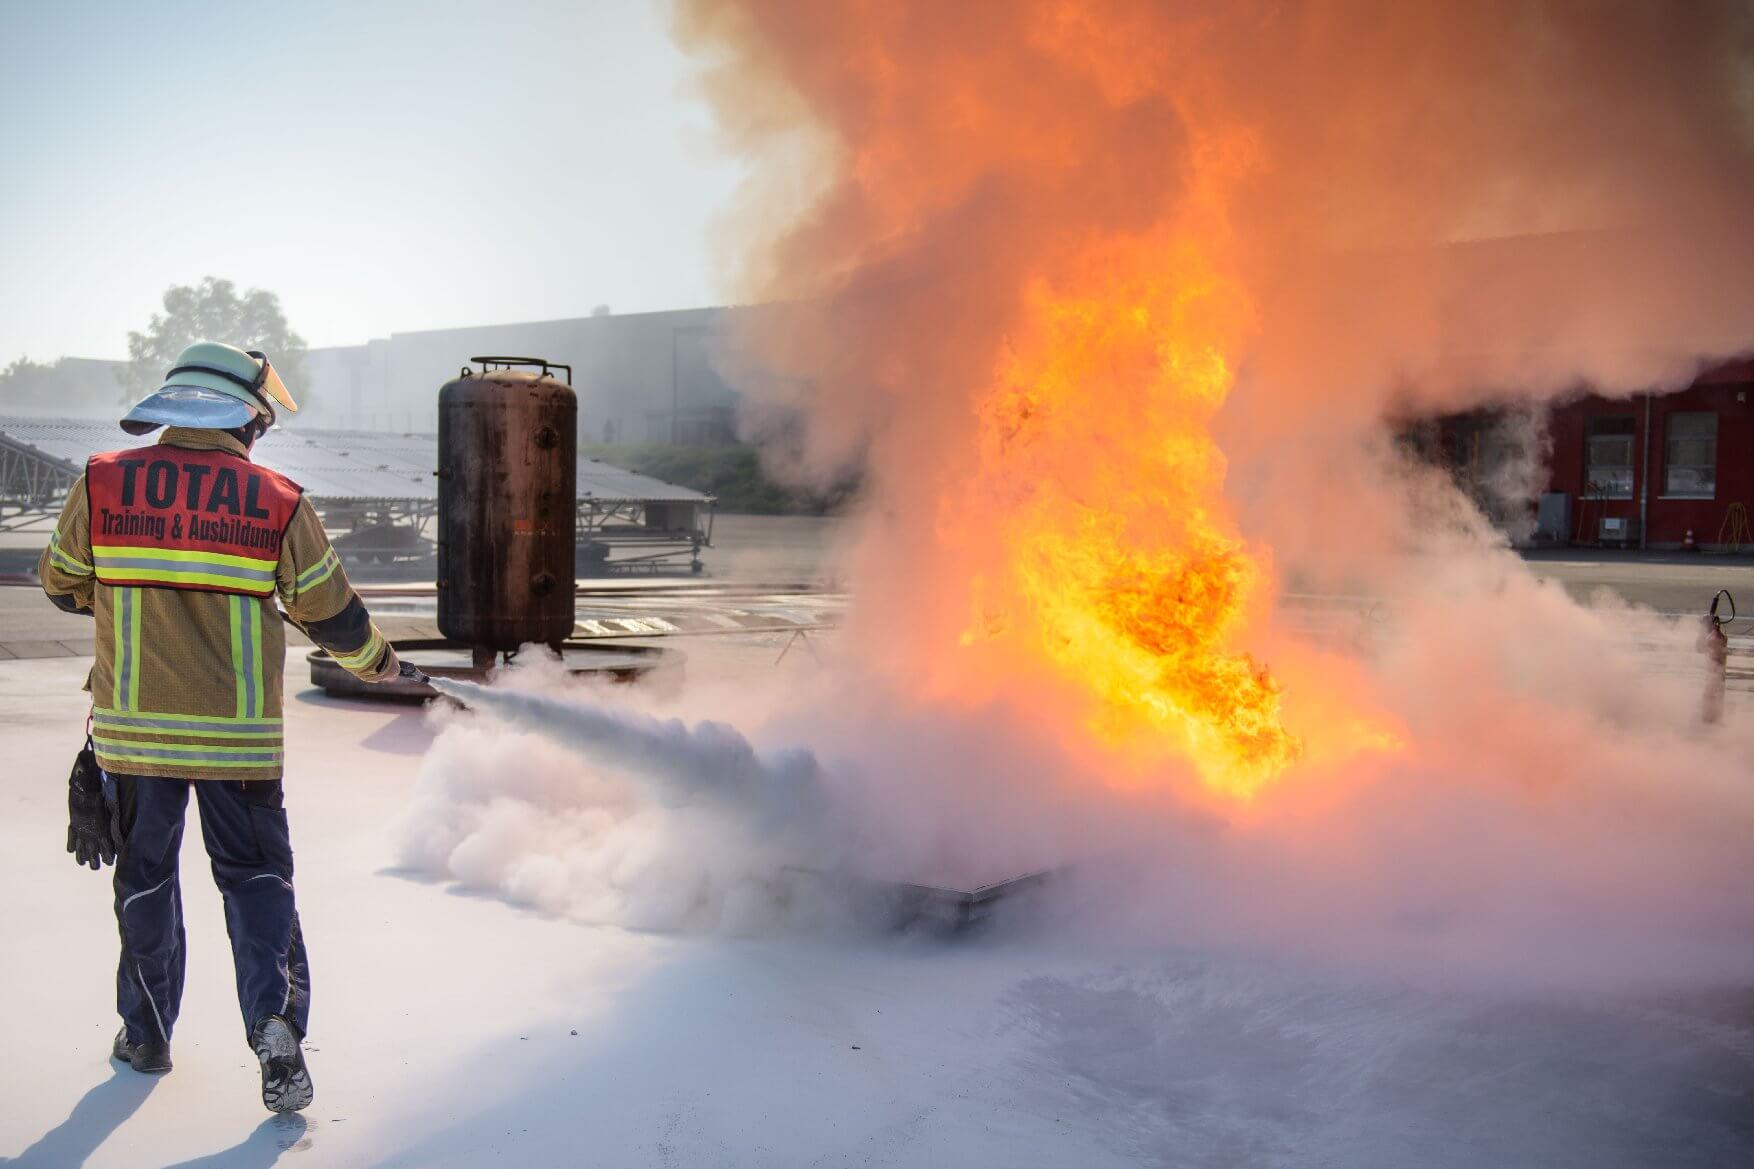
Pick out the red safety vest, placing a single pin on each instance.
(166, 517)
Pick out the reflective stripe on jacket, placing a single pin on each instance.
(190, 651)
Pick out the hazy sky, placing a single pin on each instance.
(382, 166)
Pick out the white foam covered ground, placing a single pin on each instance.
(443, 1030)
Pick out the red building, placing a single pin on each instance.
(1638, 472)
(1654, 467)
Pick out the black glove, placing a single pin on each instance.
(412, 673)
(93, 833)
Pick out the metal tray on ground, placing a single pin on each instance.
(442, 658)
(954, 910)
(887, 903)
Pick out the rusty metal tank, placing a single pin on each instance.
(508, 466)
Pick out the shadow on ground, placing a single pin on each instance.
(109, 1104)
(99, 1113)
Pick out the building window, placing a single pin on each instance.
(1607, 458)
(1690, 457)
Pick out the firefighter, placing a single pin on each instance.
(179, 550)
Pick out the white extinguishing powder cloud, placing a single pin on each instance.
(1117, 306)
(558, 797)
(597, 802)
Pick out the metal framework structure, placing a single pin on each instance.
(33, 485)
(378, 531)
(605, 525)
(376, 494)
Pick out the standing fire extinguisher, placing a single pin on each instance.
(1716, 644)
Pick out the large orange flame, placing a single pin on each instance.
(1126, 570)
(1021, 215)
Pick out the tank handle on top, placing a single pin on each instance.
(489, 364)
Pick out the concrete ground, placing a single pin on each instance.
(1669, 582)
(454, 1026)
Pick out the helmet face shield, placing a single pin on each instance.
(275, 388)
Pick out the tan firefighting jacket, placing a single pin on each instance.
(187, 683)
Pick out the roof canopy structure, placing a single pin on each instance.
(378, 489)
(39, 457)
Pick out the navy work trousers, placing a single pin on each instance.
(244, 825)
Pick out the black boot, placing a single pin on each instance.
(286, 1082)
(152, 1056)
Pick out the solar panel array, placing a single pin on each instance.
(339, 465)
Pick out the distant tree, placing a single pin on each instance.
(601, 310)
(21, 373)
(213, 311)
(24, 383)
(68, 386)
